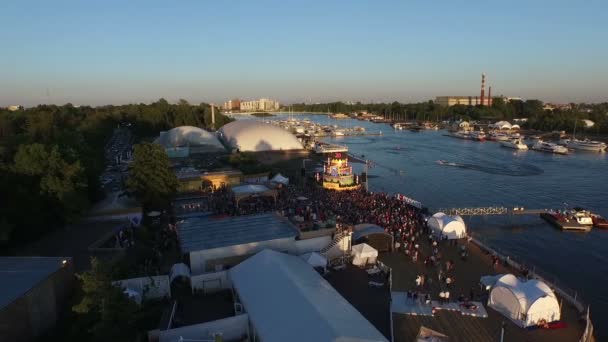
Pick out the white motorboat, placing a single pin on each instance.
(461, 135)
(517, 144)
(549, 147)
(586, 145)
(478, 135)
(338, 133)
(499, 136)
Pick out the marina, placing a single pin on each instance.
(408, 169)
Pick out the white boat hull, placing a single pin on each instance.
(586, 147)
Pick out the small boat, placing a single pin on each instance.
(549, 147)
(478, 135)
(445, 162)
(498, 136)
(338, 133)
(461, 135)
(586, 145)
(517, 144)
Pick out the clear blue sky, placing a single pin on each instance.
(100, 52)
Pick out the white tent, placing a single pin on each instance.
(279, 178)
(502, 125)
(315, 259)
(526, 303)
(588, 123)
(451, 226)
(179, 270)
(286, 300)
(364, 254)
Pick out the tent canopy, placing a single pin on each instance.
(524, 302)
(179, 270)
(364, 254)
(451, 226)
(315, 259)
(502, 125)
(247, 190)
(286, 300)
(373, 235)
(279, 178)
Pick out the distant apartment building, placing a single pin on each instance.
(448, 101)
(561, 106)
(232, 105)
(262, 104)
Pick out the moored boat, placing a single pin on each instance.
(549, 147)
(478, 135)
(497, 136)
(517, 144)
(586, 145)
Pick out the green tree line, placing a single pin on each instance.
(51, 158)
(539, 118)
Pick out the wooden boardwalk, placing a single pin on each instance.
(456, 326)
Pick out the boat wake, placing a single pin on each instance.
(515, 169)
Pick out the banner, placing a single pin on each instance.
(409, 201)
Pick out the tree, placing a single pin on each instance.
(105, 312)
(150, 176)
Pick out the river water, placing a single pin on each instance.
(487, 174)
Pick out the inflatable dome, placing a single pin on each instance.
(253, 136)
(188, 136)
(452, 227)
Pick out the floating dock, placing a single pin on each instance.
(565, 224)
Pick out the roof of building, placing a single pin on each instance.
(287, 300)
(254, 136)
(249, 189)
(365, 229)
(21, 274)
(188, 136)
(208, 232)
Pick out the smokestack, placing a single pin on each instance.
(490, 96)
(483, 88)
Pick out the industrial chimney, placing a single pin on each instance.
(483, 88)
(489, 96)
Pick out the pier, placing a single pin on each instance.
(484, 211)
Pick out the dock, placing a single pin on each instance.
(564, 224)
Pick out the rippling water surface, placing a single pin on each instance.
(486, 174)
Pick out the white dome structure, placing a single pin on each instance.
(253, 136)
(503, 125)
(451, 226)
(188, 136)
(526, 303)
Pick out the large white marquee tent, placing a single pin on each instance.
(287, 300)
(526, 303)
(451, 226)
(254, 136)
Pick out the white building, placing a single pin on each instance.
(262, 104)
